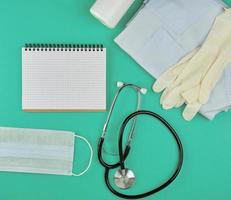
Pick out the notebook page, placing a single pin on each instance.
(63, 80)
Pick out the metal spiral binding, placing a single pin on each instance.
(63, 47)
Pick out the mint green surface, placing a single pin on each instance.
(206, 173)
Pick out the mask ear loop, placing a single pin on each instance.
(90, 159)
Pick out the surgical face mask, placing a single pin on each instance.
(165, 31)
(39, 151)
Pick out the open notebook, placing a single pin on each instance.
(63, 77)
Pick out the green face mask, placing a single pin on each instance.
(38, 151)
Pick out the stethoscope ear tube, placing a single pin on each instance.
(123, 156)
(122, 86)
(100, 157)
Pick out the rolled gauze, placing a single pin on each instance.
(110, 12)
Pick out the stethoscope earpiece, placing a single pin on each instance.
(120, 84)
(143, 90)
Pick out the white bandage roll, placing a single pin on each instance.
(109, 12)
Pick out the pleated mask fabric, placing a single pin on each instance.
(36, 151)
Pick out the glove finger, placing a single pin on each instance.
(163, 96)
(174, 95)
(199, 64)
(172, 98)
(191, 110)
(192, 95)
(189, 96)
(180, 103)
(164, 81)
(167, 90)
(188, 56)
(211, 79)
(168, 77)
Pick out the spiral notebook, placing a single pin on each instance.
(63, 77)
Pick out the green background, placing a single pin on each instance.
(206, 173)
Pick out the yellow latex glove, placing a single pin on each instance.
(167, 79)
(194, 77)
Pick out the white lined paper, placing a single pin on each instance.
(63, 80)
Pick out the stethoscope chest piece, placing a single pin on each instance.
(124, 178)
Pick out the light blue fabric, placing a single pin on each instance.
(164, 31)
(221, 96)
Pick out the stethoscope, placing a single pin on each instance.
(124, 178)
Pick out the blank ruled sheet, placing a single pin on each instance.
(63, 78)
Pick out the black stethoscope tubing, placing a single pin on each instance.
(123, 155)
